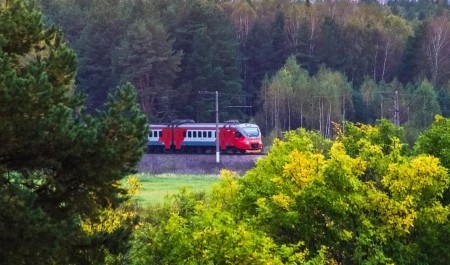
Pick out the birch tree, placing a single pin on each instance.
(436, 47)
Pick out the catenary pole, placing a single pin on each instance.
(217, 129)
(217, 123)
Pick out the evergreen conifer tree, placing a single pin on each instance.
(58, 165)
(210, 63)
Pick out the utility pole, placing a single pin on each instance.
(217, 122)
(343, 114)
(217, 129)
(394, 97)
(397, 110)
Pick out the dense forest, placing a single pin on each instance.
(282, 64)
(366, 196)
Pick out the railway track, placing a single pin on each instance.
(177, 153)
(196, 163)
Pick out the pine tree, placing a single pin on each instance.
(210, 63)
(58, 165)
(258, 48)
(145, 58)
(410, 66)
(331, 50)
(107, 23)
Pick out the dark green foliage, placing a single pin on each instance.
(360, 40)
(210, 63)
(361, 113)
(331, 51)
(369, 2)
(421, 9)
(280, 50)
(307, 53)
(410, 66)
(57, 164)
(94, 47)
(145, 58)
(17, 23)
(258, 49)
(70, 16)
(358, 52)
(444, 102)
(424, 106)
(265, 51)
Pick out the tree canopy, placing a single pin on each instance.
(58, 164)
(236, 47)
(364, 198)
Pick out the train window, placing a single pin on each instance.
(189, 134)
(184, 134)
(204, 134)
(160, 133)
(238, 135)
(155, 134)
(209, 134)
(195, 134)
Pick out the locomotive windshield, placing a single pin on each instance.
(251, 131)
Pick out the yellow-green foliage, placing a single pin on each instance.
(110, 220)
(133, 185)
(436, 141)
(225, 191)
(197, 230)
(421, 176)
(312, 164)
(356, 198)
(209, 235)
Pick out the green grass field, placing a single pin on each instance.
(156, 187)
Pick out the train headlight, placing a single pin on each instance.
(246, 142)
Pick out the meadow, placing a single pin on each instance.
(155, 188)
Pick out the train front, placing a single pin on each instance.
(250, 139)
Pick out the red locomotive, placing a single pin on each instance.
(189, 137)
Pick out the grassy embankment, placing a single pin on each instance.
(156, 187)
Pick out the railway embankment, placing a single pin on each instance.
(195, 164)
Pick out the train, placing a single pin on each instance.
(187, 136)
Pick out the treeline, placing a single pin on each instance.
(294, 99)
(171, 50)
(366, 197)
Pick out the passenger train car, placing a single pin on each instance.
(186, 136)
